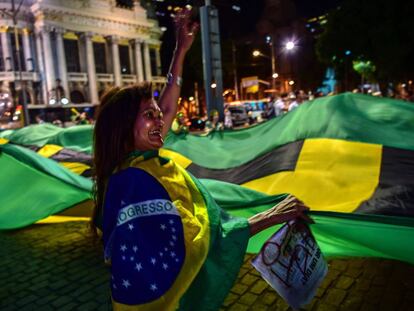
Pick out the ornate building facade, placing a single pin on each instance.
(75, 50)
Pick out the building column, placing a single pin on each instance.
(138, 61)
(147, 62)
(5, 45)
(90, 63)
(48, 63)
(62, 68)
(40, 66)
(158, 60)
(116, 65)
(131, 58)
(27, 50)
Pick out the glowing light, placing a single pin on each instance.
(291, 82)
(64, 101)
(290, 45)
(275, 75)
(52, 101)
(213, 85)
(191, 98)
(256, 53)
(163, 28)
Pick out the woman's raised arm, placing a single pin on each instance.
(185, 31)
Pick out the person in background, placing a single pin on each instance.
(293, 102)
(167, 242)
(179, 124)
(228, 122)
(213, 123)
(279, 106)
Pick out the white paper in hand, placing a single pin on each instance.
(292, 263)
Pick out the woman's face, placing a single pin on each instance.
(148, 127)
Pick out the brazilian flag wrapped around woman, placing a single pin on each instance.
(168, 244)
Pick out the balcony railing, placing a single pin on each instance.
(105, 77)
(129, 78)
(77, 76)
(159, 79)
(15, 76)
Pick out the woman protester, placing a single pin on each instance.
(168, 243)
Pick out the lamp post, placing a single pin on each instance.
(257, 53)
(272, 50)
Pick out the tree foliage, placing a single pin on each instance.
(379, 31)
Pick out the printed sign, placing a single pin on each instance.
(292, 263)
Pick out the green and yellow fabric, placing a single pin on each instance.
(350, 157)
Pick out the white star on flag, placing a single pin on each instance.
(161, 254)
(174, 237)
(130, 226)
(164, 266)
(131, 258)
(153, 287)
(123, 248)
(172, 254)
(153, 261)
(171, 243)
(163, 227)
(123, 257)
(135, 248)
(138, 266)
(171, 222)
(173, 229)
(126, 283)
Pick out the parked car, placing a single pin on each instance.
(239, 115)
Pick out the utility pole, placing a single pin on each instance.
(236, 79)
(274, 75)
(213, 77)
(13, 16)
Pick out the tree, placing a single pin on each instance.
(375, 31)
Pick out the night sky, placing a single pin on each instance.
(239, 21)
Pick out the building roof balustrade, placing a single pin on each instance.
(105, 77)
(77, 76)
(15, 76)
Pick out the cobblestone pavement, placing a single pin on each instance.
(59, 267)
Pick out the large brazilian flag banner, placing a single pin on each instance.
(349, 157)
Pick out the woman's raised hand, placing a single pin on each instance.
(185, 29)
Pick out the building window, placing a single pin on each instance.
(124, 59)
(15, 59)
(72, 55)
(100, 57)
(153, 60)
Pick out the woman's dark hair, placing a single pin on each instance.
(113, 137)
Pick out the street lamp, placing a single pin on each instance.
(290, 45)
(257, 53)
